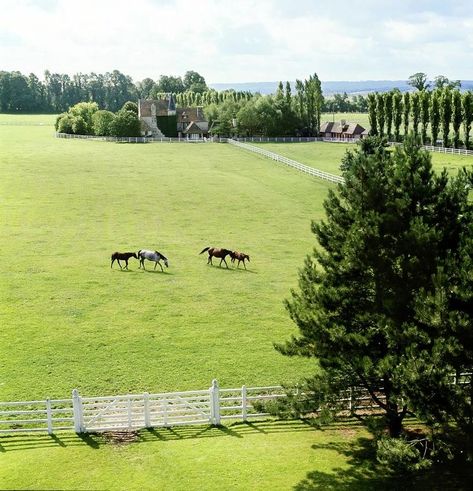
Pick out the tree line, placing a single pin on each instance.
(443, 111)
(58, 92)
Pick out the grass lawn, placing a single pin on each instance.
(67, 320)
(327, 156)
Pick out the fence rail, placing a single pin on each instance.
(292, 163)
(137, 139)
(135, 411)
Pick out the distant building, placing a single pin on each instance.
(342, 129)
(161, 118)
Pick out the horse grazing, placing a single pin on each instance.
(124, 256)
(154, 256)
(215, 252)
(240, 257)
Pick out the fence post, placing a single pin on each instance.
(146, 408)
(244, 408)
(214, 403)
(78, 413)
(49, 416)
(129, 413)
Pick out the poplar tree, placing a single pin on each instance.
(397, 113)
(456, 117)
(415, 111)
(446, 113)
(388, 112)
(467, 113)
(434, 112)
(372, 114)
(380, 114)
(424, 100)
(407, 109)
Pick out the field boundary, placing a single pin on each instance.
(136, 411)
(291, 163)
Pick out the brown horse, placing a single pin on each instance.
(124, 256)
(240, 257)
(215, 252)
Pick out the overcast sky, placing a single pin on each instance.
(240, 40)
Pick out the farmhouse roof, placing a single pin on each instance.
(145, 109)
(193, 127)
(186, 114)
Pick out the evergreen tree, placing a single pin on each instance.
(362, 308)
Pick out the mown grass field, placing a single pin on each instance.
(68, 320)
(327, 156)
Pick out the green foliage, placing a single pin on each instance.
(446, 113)
(83, 113)
(380, 113)
(390, 229)
(64, 123)
(102, 123)
(397, 113)
(125, 123)
(372, 114)
(424, 99)
(419, 81)
(388, 112)
(434, 114)
(467, 113)
(130, 106)
(457, 116)
(167, 125)
(415, 112)
(400, 456)
(194, 82)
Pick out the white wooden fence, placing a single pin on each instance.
(135, 411)
(136, 139)
(292, 163)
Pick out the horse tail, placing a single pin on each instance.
(203, 250)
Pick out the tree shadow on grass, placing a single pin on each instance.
(24, 441)
(363, 474)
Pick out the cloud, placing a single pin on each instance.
(228, 41)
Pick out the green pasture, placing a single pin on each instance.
(327, 156)
(67, 320)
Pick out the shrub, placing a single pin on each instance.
(130, 106)
(64, 123)
(79, 125)
(102, 123)
(400, 456)
(126, 123)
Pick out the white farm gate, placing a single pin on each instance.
(136, 411)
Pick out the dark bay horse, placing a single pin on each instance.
(215, 252)
(124, 256)
(240, 257)
(154, 256)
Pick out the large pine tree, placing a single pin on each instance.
(391, 229)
